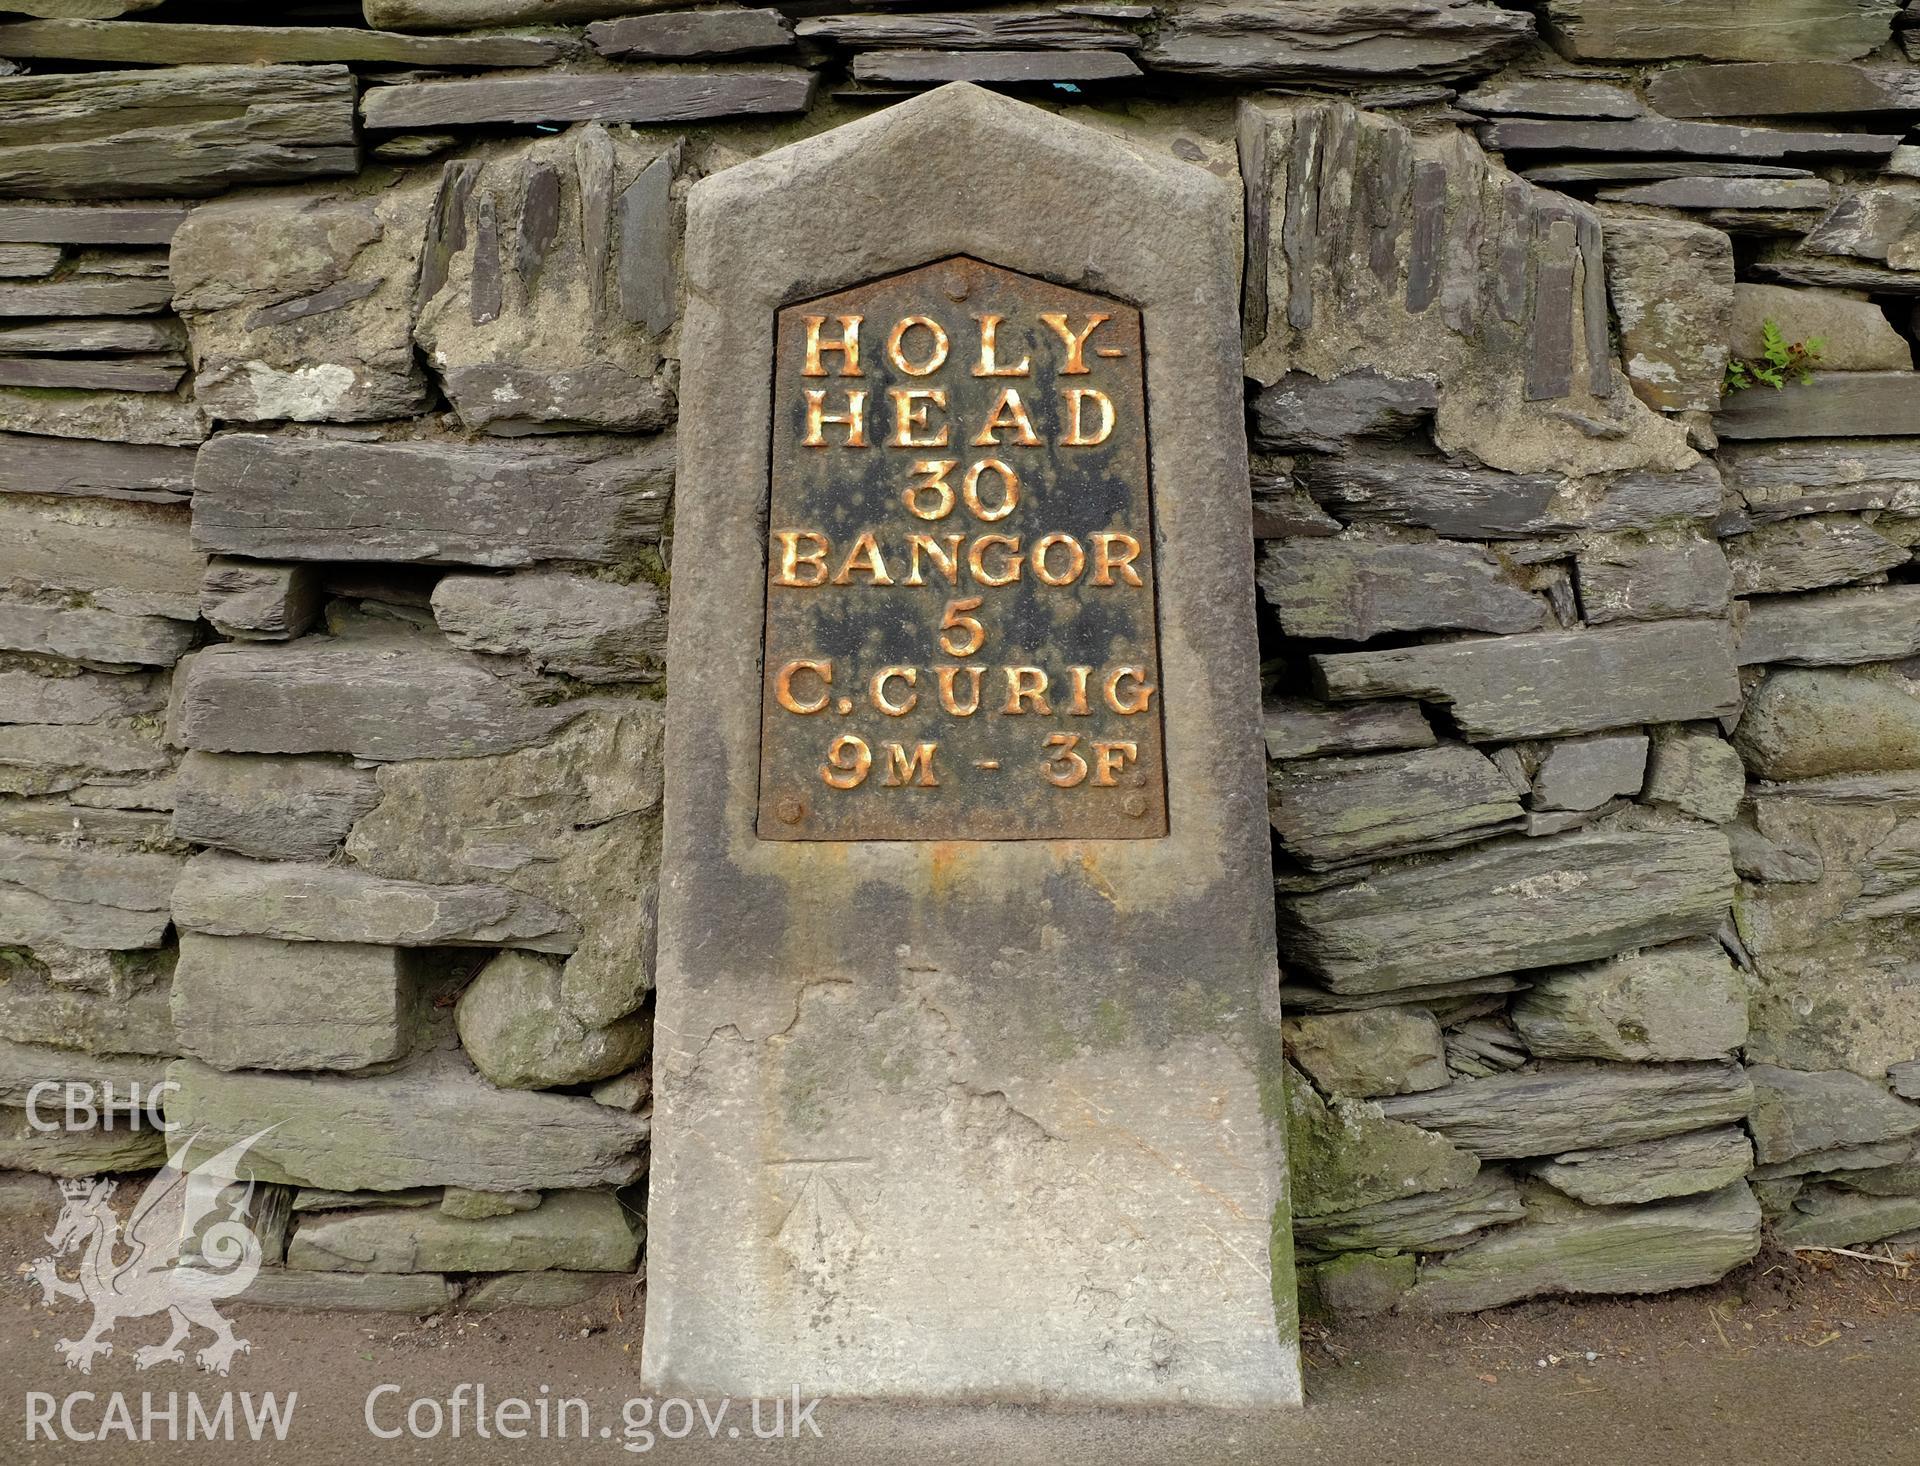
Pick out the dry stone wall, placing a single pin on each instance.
(337, 394)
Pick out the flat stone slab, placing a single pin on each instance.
(433, 1123)
(1556, 1108)
(1681, 1001)
(87, 635)
(65, 1152)
(1333, 811)
(55, 544)
(657, 97)
(1834, 628)
(1298, 727)
(1350, 590)
(36, 465)
(414, 1293)
(225, 895)
(83, 896)
(1835, 405)
(1342, 41)
(1553, 683)
(1797, 1114)
(1507, 906)
(1651, 1170)
(1644, 30)
(144, 43)
(578, 1231)
(275, 808)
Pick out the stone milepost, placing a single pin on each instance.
(961, 638)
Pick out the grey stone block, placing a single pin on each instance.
(593, 630)
(1302, 412)
(1834, 628)
(1682, 1001)
(1584, 773)
(1369, 1053)
(83, 896)
(255, 601)
(1296, 727)
(1351, 590)
(577, 1231)
(1854, 333)
(66, 696)
(55, 544)
(1651, 577)
(1333, 811)
(515, 1027)
(1795, 1114)
(1636, 30)
(1651, 1170)
(1809, 554)
(1338, 40)
(1696, 772)
(1671, 283)
(281, 808)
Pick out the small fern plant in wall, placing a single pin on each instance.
(1780, 361)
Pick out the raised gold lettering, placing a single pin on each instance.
(1026, 685)
(791, 557)
(1009, 415)
(1129, 703)
(854, 419)
(1009, 570)
(896, 346)
(1076, 434)
(848, 759)
(1076, 341)
(915, 769)
(988, 366)
(864, 556)
(910, 406)
(1115, 552)
(783, 686)
(1076, 559)
(877, 690)
(848, 346)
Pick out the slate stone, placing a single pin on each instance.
(1358, 1284)
(1854, 333)
(28, 261)
(1880, 223)
(25, 1066)
(106, 224)
(1338, 40)
(36, 465)
(1346, 1155)
(1780, 480)
(1651, 577)
(50, 694)
(1552, 683)
(376, 701)
(549, 1289)
(1650, 1249)
(494, 504)
(184, 130)
(579, 1231)
(1840, 405)
(453, 15)
(35, 1010)
(683, 33)
(225, 895)
(1782, 88)
(1560, 1107)
(433, 1122)
(54, 544)
(1642, 30)
(655, 97)
(1424, 492)
(1302, 412)
(1650, 1170)
(1061, 28)
(261, 1003)
(1681, 1001)
(1584, 773)
(82, 9)
(1647, 170)
(1724, 193)
(1297, 727)
(991, 68)
(1786, 262)
(1796, 1114)
(594, 630)
(457, 1201)
(1871, 624)
(1839, 1161)
(1437, 1221)
(1354, 590)
(515, 1027)
(253, 600)
(1696, 772)
(1671, 284)
(77, 1152)
(276, 808)
(1334, 811)
(82, 296)
(1905, 1079)
(1552, 96)
(83, 896)
(314, 1198)
(117, 417)
(1369, 1053)
(630, 1091)
(1509, 905)
(93, 636)
(1658, 135)
(128, 374)
(1825, 1217)
(143, 43)
(409, 1293)
(1809, 724)
(52, 759)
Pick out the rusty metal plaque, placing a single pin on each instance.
(961, 637)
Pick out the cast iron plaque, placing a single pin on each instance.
(961, 640)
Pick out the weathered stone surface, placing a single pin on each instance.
(261, 1003)
(580, 1231)
(254, 600)
(80, 296)
(1696, 772)
(1332, 811)
(514, 1025)
(43, 758)
(564, 823)
(991, 68)
(1746, 30)
(1575, 1249)
(1552, 683)
(1338, 40)
(651, 97)
(1648, 577)
(1683, 1001)
(1786, 261)
(56, 544)
(1808, 724)
(271, 808)
(1296, 727)
(1823, 1216)
(414, 1293)
(28, 261)
(1352, 590)
(1876, 624)
(545, 341)
(375, 700)
(1809, 554)
(54, 695)
(81, 896)
(117, 417)
(1880, 223)
(1727, 193)
(126, 373)
(1658, 135)
(1552, 96)
(34, 1010)
(98, 224)
(1302, 412)
(76, 1152)
(1345, 1155)
(1854, 333)
(1509, 905)
(496, 504)
(1584, 773)
(227, 896)
(1795, 1114)
(184, 130)
(93, 636)
(1905, 1078)
(685, 33)
(23, 1066)
(594, 630)
(1781, 89)
(433, 1122)
(33, 465)
(142, 43)
(1436, 1221)
(1651, 1170)
(549, 1289)
(629, 1091)
(1779, 480)
(457, 1201)
(305, 313)
(1671, 283)
(1424, 492)
(1562, 1107)
(1359, 1284)
(1843, 405)
(1369, 1053)
(315, 1198)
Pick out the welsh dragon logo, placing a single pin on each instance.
(144, 1272)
